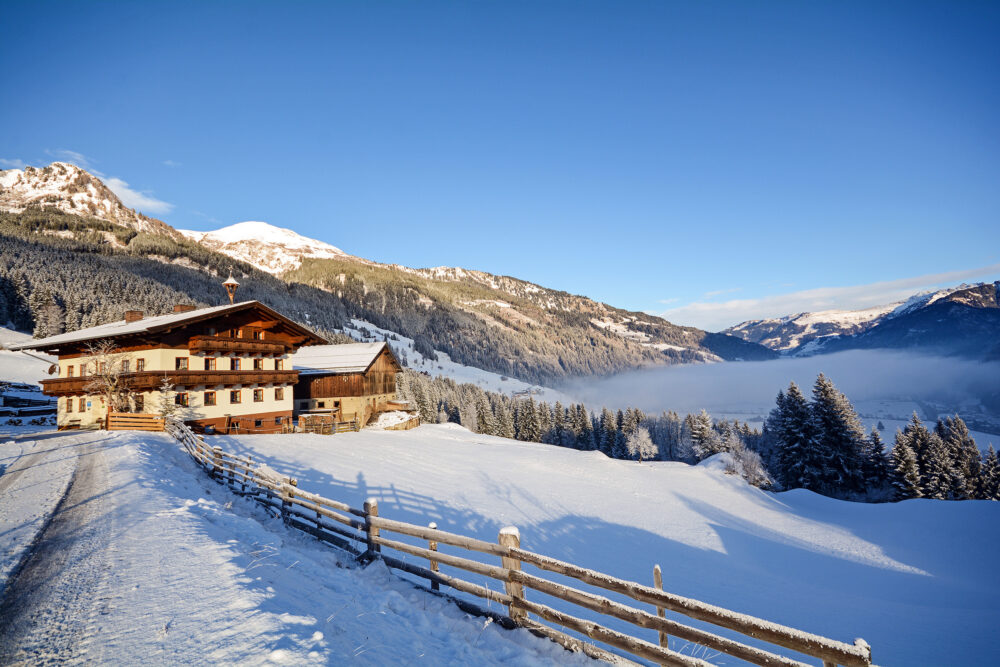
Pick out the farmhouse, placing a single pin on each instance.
(222, 368)
(351, 382)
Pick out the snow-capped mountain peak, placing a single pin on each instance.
(266, 246)
(69, 188)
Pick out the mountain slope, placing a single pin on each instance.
(962, 320)
(68, 188)
(97, 267)
(264, 246)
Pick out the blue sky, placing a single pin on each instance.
(712, 161)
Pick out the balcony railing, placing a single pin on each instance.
(152, 380)
(199, 344)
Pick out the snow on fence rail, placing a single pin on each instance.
(360, 532)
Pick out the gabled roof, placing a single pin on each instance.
(157, 324)
(345, 358)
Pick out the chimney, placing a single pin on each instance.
(133, 315)
(183, 308)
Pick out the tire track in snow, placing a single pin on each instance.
(48, 610)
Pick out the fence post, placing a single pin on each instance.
(216, 462)
(433, 546)
(658, 582)
(511, 537)
(371, 509)
(287, 493)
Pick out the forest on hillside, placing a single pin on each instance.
(60, 272)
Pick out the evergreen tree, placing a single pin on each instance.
(905, 473)
(964, 457)
(609, 432)
(797, 463)
(989, 480)
(876, 467)
(618, 449)
(836, 449)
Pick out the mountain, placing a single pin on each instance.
(265, 246)
(100, 261)
(962, 320)
(66, 187)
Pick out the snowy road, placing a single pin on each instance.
(146, 559)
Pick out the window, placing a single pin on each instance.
(210, 363)
(140, 365)
(320, 404)
(277, 421)
(234, 396)
(125, 365)
(258, 423)
(279, 364)
(69, 405)
(82, 404)
(279, 393)
(102, 367)
(209, 398)
(258, 335)
(181, 398)
(234, 364)
(258, 395)
(258, 364)
(69, 371)
(239, 333)
(181, 364)
(140, 402)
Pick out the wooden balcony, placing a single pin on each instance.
(151, 380)
(225, 345)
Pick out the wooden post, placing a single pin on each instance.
(433, 546)
(511, 537)
(216, 462)
(658, 582)
(371, 509)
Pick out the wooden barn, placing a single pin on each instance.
(351, 382)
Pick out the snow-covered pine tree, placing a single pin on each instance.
(584, 427)
(618, 450)
(964, 457)
(838, 443)
(905, 474)
(505, 421)
(876, 466)
(989, 479)
(797, 465)
(609, 431)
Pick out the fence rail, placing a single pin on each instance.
(361, 532)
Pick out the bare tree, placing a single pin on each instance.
(107, 369)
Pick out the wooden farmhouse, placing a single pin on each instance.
(227, 368)
(351, 382)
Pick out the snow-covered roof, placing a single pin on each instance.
(346, 358)
(145, 325)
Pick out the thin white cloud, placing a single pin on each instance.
(140, 201)
(171, 163)
(12, 163)
(718, 316)
(74, 157)
(709, 295)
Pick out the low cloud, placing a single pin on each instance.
(140, 201)
(715, 316)
(12, 163)
(872, 377)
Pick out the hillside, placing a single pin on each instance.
(718, 539)
(98, 267)
(960, 320)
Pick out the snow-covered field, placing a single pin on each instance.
(148, 560)
(917, 580)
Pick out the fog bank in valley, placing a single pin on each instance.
(864, 375)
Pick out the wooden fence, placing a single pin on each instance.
(362, 532)
(132, 421)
